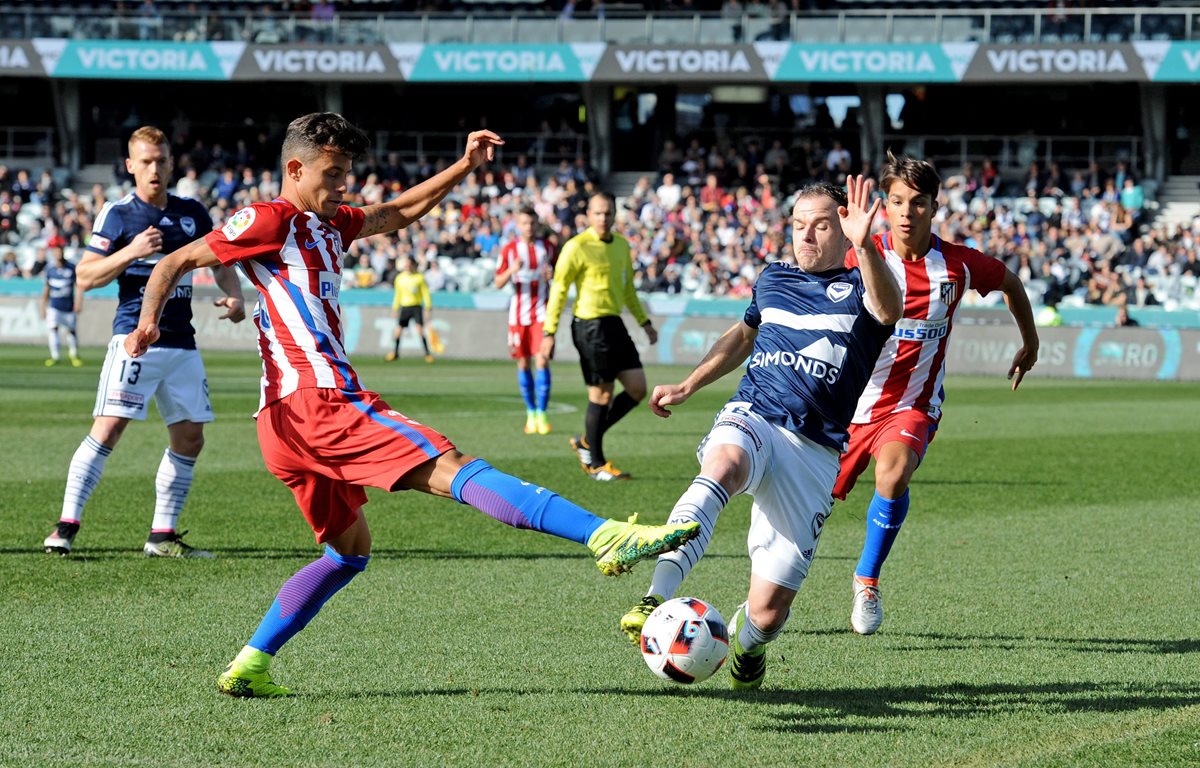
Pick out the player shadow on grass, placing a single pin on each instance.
(936, 641)
(905, 708)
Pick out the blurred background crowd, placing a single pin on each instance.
(703, 225)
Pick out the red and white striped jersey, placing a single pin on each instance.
(530, 290)
(295, 261)
(912, 366)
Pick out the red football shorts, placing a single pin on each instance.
(915, 429)
(524, 340)
(326, 444)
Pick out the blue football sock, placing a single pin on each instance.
(515, 502)
(541, 378)
(884, 518)
(303, 595)
(525, 382)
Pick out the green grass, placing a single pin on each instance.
(1041, 602)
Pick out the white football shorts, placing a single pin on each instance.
(175, 378)
(791, 480)
(56, 318)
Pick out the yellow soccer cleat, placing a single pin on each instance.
(633, 621)
(247, 677)
(617, 546)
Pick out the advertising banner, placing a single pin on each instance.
(1117, 62)
(875, 63)
(573, 63)
(680, 63)
(345, 63)
(480, 334)
(18, 57)
(138, 60)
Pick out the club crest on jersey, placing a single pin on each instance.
(238, 223)
(188, 224)
(838, 291)
(328, 284)
(948, 291)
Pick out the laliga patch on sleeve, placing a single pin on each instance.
(238, 224)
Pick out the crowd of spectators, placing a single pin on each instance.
(703, 226)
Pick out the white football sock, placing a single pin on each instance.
(173, 482)
(54, 345)
(750, 636)
(73, 343)
(703, 500)
(87, 465)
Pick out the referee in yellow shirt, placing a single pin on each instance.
(597, 262)
(411, 304)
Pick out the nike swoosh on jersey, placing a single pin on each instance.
(906, 433)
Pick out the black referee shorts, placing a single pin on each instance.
(413, 314)
(605, 349)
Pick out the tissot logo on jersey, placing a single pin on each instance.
(921, 330)
(821, 360)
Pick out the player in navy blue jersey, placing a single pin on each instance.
(128, 239)
(62, 300)
(812, 334)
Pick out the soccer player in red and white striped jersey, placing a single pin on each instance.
(528, 263)
(898, 412)
(321, 432)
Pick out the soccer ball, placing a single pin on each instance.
(685, 640)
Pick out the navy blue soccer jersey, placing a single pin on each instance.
(62, 287)
(816, 347)
(181, 222)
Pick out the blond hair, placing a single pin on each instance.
(148, 134)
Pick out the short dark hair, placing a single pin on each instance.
(918, 174)
(528, 211)
(823, 189)
(310, 135)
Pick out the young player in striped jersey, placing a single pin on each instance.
(128, 237)
(812, 334)
(528, 263)
(898, 413)
(62, 299)
(321, 432)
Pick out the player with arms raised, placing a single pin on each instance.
(528, 263)
(812, 334)
(321, 432)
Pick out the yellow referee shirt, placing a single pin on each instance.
(411, 290)
(602, 274)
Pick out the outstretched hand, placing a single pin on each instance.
(860, 210)
(481, 147)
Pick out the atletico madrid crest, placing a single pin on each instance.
(949, 292)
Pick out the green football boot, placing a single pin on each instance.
(746, 668)
(633, 621)
(617, 546)
(248, 677)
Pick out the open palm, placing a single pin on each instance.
(860, 210)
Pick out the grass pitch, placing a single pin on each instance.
(1041, 602)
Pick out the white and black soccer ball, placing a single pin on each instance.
(685, 640)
